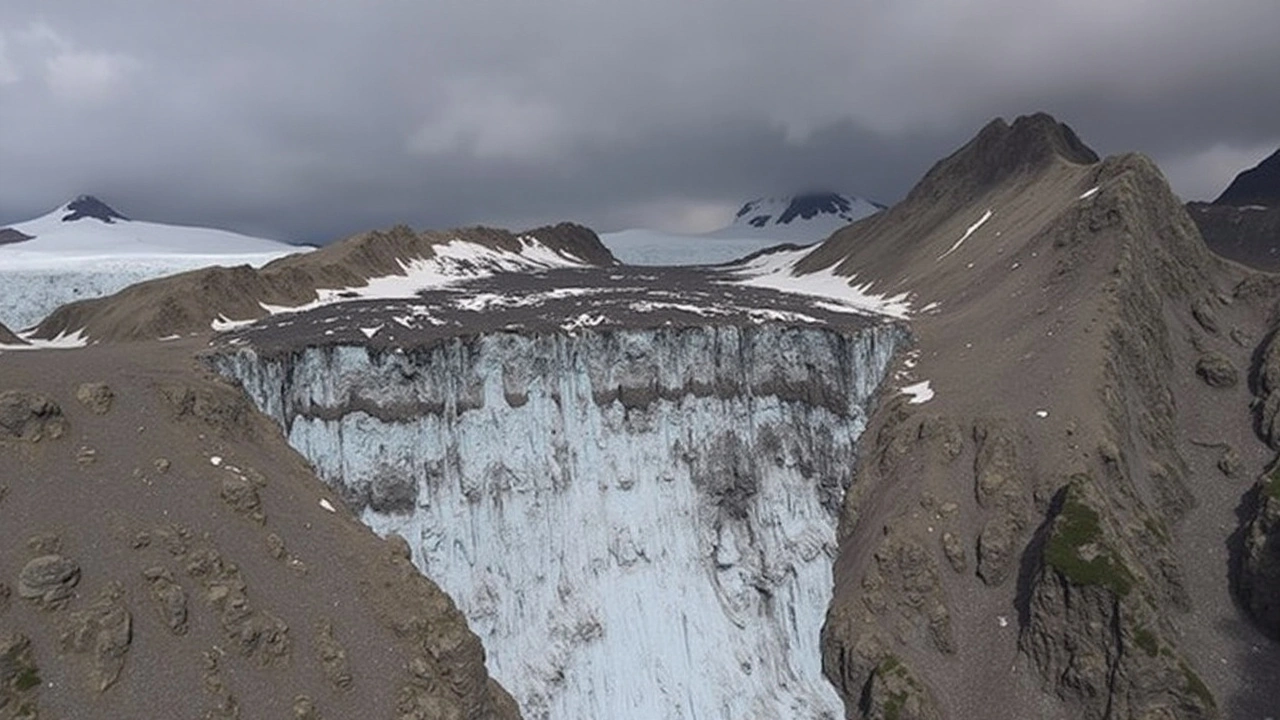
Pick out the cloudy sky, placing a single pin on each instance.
(309, 120)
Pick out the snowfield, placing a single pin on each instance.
(760, 224)
(651, 247)
(87, 258)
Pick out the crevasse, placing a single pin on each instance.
(637, 523)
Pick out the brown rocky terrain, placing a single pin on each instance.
(8, 338)
(168, 556)
(188, 302)
(1051, 535)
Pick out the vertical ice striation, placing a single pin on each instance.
(638, 523)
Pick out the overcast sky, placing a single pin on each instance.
(307, 120)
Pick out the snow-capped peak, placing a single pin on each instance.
(88, 226)
(808, 217)
(783, 211)
(88, 206)
(85, 249)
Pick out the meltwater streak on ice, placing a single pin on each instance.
(638, 524)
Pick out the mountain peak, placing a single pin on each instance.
(1001, 150)
(1260, 185)
(88, 206)
(805, 206)
(807, 216)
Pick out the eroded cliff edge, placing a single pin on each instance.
(639, 522)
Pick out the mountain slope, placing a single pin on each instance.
(171, 557)
(1259, 185)
(1062, 475)
(7, 337)
(1243, 224)
(88, 226)
(376, 264)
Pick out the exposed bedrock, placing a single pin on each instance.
(1258, 575)
(638, 523)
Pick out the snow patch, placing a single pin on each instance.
(972, 229)
(776, 271)
(222, 323)
(920, 393)
(1088, 193)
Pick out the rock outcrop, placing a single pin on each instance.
(30, 417)
(1258, 575)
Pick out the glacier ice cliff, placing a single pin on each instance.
(639, 523)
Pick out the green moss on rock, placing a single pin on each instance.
(1075, 547)
(1146, 641)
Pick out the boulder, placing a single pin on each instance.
(30, 417)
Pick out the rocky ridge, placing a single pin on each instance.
(1071, 304)
(190, 302)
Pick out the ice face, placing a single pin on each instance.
(638, 524)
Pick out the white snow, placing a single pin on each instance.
(64, 341)
(327, 505)
(1088, 193)
(972, 229)
(223, 324)
(585, 541)
(87, 258)
(215, 460)
(1042, 413)
(91, 237)
(453, 262)
(775, 270)
(920, 393)
(584, 320)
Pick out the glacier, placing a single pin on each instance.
(637, 522)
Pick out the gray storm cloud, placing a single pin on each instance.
(308, 121)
